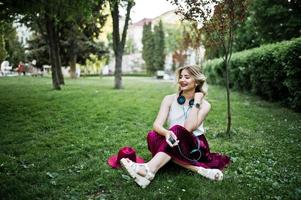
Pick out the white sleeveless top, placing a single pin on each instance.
(178, 114)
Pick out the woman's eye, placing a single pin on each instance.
(186, 77)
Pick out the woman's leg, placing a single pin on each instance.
(190, 167)
(213, 174)
(158, 161)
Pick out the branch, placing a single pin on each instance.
(231, 27)
(127, 18)
(40, 26)
(115, 18)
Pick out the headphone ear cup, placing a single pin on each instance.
(191, 102)
(181, 100)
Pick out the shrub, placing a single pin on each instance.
(271, 71)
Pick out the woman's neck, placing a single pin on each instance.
(188, 94)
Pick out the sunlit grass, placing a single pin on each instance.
(54, 144)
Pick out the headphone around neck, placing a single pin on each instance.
(181, 100)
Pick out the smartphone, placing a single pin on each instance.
(171, 140)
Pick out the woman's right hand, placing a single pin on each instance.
(171, 139)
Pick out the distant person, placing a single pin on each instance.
(21, 68)
(5, 67)
(184, 141)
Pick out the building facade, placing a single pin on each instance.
(133, 61)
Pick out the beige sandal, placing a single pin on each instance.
(212, 174)
(132, 168)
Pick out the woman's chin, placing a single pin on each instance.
(186, 89)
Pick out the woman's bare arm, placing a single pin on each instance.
(162, 115)
(197, 116)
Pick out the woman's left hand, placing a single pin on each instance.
(198, 96)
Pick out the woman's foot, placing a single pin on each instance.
(212, 174)
(139, 172)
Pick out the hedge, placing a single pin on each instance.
(271, 71)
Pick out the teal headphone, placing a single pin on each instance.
(181, 100)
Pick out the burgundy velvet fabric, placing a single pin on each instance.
(188, 142)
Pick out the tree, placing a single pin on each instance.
(78, 36)
(3, 52)
(76, 41)
(159, 46)
(175, 45)
(148, 48)
(194, 37)
(47, 17)
(37, 49)
(153, 52)
(181, 39)
(119, 43)
(13, 49)
(219, 28)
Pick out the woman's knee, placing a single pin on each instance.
(151, 137)
(151, 134)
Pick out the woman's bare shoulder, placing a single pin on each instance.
(169, 98)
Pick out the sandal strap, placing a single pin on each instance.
(134, 166)
(148, 173)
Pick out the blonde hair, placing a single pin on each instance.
(196, 74)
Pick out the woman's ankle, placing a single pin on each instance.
(152, 167)
(201, 170)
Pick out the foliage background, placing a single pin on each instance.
(271, 71)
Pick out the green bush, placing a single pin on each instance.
(271, 71)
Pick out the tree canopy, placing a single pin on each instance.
(49, 18)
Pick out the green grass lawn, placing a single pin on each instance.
(55, 144)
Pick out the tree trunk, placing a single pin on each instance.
(118, 70)
(227, 62)
(52, 54)
(72, 63)
(118, 45)
(197, 56)
(58, 59)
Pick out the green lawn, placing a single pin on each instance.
(54, 144)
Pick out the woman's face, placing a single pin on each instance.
(186, 81)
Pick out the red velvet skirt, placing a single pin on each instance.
(183, 153)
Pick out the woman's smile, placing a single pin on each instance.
(186, 82)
